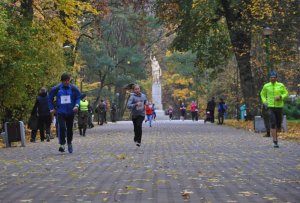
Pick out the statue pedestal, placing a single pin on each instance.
(160, 115)
(156, 96)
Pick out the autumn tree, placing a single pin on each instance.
(190, 20)
(115, 53)
(31, 54)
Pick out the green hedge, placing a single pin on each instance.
(292, 109)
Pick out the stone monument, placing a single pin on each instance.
(156, 84)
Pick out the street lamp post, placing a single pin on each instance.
(298, 85)
(267, 33)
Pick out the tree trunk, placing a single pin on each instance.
(247, 83)
(27, 10)
(242, 43)
(240, 36)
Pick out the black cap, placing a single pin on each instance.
(65, 76)
(83, 96)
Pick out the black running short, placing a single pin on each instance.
(275, 117)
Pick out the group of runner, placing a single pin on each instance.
(65, 99)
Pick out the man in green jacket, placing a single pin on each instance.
(273, 95)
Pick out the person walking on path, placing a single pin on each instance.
(41, 109)
(210, 111)
(273, 95)
(149, 113)
(67, 104)
(90, 118)
(221, 111)
(193, 110)
(136, 103)
(154, 111)
(170, 112)
(182, 111)
(83, 114)
(196, 113)
(101, 112)
(105, 111)
(113, 112)
(33, 124)
(265, 115)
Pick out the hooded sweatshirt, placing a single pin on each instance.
(131, 104)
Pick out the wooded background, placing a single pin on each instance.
(205, 48)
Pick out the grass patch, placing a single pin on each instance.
(292, 134)
(294, 121)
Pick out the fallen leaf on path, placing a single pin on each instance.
(120, 156)
(162, 182)
(270, 198)
(213, 180)
(104, 192)
(186, 194)
(128, 187)
(247, 193)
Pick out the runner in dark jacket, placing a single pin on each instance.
(221, 111)
(41, 109)
(210, 111)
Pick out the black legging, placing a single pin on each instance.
(193, 115)
(65, 123)
(182, 113)
(44, 124)
(137, 123)
(221, 117)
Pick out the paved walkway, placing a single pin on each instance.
(207, 162)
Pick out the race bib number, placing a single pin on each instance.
(66, 99)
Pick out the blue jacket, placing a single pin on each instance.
(66, 99)
(222, 107)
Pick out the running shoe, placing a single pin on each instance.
(70, 148)
(61, 148)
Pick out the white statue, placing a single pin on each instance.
(156, 70)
